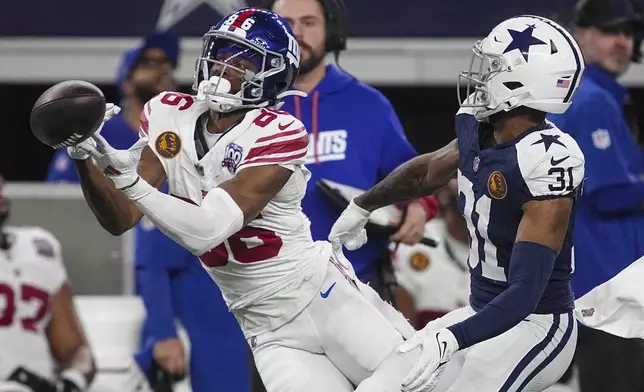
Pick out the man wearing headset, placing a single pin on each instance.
(356, 137)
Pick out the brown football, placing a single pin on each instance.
(67, 113)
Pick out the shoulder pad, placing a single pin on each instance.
(551, 163)
(164, 104)
(271, 122)
(280, 138)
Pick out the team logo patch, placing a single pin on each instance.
(62, 162)
(419, 261)
(601, 139)
(232, 157)
(496, 185)
(253, 342)
(168, 144)
(588, 312)
(475, 165)
(260, 42)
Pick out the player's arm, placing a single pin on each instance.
(547, 206)
(395, 150)
(419, 177)
(68, 344)
(224, 210)
(539, 240)
(115, 212)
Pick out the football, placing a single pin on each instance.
(67, 113)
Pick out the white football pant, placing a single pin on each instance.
(530, 357)
(333, 344)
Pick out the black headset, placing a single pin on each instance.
(587, 12)
(335, 13)
(638, 6)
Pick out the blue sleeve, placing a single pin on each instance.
(153, 286)
(613, 185)
(396, 149)
(156, 258)
(530, 269)
(624, 199)
(61, 168)
(155, 249)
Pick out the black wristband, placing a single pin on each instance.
(131, 185)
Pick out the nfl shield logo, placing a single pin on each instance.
(232, 157)
(601, 139)
(475, 166)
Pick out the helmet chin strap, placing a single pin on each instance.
(208, 89)
(218, 85)
(509, 104)
(280, 97)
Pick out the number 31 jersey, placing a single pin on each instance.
(494, 181)
(269, 270)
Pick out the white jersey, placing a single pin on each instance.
(31, 273)
(271, 269)
(436, 278)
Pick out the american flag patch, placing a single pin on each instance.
(565, 83)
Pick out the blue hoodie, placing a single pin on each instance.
(609, 222)
(355, 139)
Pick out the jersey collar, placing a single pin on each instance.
(535, 128)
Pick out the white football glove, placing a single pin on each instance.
(78, 152)
(349, 230)
(436, 349)
(120, 166)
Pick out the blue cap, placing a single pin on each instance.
(159, 40)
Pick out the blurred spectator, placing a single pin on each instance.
(169, 279)
(435, 281)
(144, 72)
(356, 137)
(609, 225)
(43, 343)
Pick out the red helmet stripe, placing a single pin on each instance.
(242, 17)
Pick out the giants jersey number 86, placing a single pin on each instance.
(262, 262)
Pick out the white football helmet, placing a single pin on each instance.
(525, 61)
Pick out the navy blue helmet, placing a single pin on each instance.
(256, 35)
